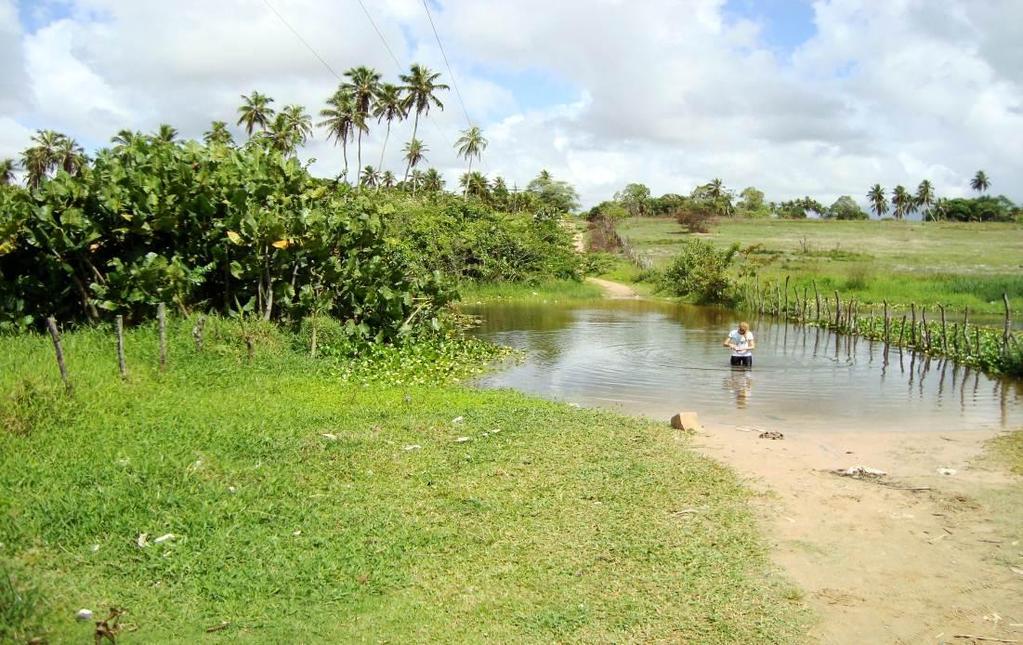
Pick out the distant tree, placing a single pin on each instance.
(752, 203)
(7, 172)
(902, 202)
(551, 193)
(299, 123)
(798, 208)
(124, 138)
(415, 152)
(878, 200)
(255, 112)
(978, 209)
(338, 119)
(388, 180)
(499, 192)
(363, 84)
(470, 144)
(714, 198)
(846, 208)
(370, 177)
(166, 133)
(420, 93)
(634, 198)
(52, 151)
(924, 198)
(432, 181)
(475, 184)
(387, 106)
(218, 134)
(980, 182)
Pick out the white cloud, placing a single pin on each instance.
(669, 93)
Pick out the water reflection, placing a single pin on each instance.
(656, 358)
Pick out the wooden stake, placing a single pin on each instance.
(817, 296)
(161, 317)
(1006, 331)
(786, 313)
(944, 330)
(902, 330)
(838, 310)
(912, 328)
(887, 325)
(926, 332)
(51, 325)
(122, 364)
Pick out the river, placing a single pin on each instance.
(655, 358)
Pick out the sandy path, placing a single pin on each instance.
(614, 290)
(880, 565)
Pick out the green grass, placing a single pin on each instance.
(550, 524)
(928, 263)
(551, 292)
(1008, 448)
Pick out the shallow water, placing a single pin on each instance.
(653, 358)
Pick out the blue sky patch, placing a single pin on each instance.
(786, 24)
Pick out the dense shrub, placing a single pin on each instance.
(845, 208)
(213, 228)
(979, 209)
(700, 272)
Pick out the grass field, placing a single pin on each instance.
(550, 292)
(927, 263)
(309, 508)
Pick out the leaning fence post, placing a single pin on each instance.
(838, 310)
(161, 317)
(1007, 329)
(902, 330)
(887, 325)
(912, 328)
(122, 364)
(926, 330)
(51, 325)
(786, 305)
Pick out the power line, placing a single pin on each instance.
(381, 35)
(302, 40)
(454, 82)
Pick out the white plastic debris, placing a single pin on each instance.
(948, 472)
(142, 540)
(329, 436)
(232, 490)
(462, 439)
(862, 471)
(83, 615)
(166, 537)
(458, 420)
(94, 548)
(411, 447)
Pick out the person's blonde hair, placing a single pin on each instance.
(743, 324)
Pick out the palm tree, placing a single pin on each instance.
(980, 182)
(124, 138)
(300, 124)
(901, 202)
(338, 119)
(715, 189)
(415, 151)
(471, 144)
(370, 177)
(70, 157)
(432, 181)
(878, 200)
(388, 180)
(416, 181)
(420, 89)
(256, 111)
(363, 83)
(36, 162)
(218, 134)
(924, 199)
(388, 107)
(166, 133)
(474, 183)
(6, 172)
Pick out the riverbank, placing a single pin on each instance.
(954, 264)
(925, 553)
(286, 498)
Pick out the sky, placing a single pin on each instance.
(821, 98)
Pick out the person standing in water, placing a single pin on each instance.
(741, 342)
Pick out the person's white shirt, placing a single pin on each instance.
(741, 342)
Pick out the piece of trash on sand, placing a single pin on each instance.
(947, 471)
(771, 434)
(860, 472)
(1016, 570)
(83, 615)
(462, 439)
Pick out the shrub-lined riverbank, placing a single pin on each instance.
(306, 505)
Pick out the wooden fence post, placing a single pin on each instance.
(926, 332)
(786, 306)
(817, 296)
(1007, 328)
(197, 332)
(838, 310)
(804, 304)
(912, 327)
(161, 317)
(944, 330)
(902, 330)
(122, 364)
(887, 325)
(51, 325)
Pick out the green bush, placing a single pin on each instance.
(700, 272)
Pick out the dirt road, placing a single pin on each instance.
(614, 290)
(878, 561)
